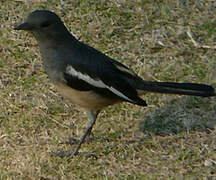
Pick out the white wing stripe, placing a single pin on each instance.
(95, 82)
(98, 83)
(118, 93)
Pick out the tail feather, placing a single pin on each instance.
(178, 88)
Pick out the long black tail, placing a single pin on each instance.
(178, 88)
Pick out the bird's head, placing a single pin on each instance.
(39, 20)
(44, 24)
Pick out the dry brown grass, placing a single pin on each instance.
(149, 36)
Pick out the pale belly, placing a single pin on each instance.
(85, 99)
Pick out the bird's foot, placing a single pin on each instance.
(68, 154)
(64, 154)
(72, 141)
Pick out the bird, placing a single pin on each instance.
(87, 77)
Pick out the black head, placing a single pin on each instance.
(39, 20)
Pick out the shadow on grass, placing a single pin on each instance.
(181, 114)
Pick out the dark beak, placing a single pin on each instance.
(23, 26)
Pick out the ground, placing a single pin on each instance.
(173, 138)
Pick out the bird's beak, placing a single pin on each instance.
(23, 26)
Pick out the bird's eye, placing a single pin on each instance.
(45, 24)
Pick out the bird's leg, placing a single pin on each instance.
(92, 116)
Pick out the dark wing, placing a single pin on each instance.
(89, 69)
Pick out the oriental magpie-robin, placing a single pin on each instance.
(89, 78)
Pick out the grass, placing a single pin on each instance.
(173, 138)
